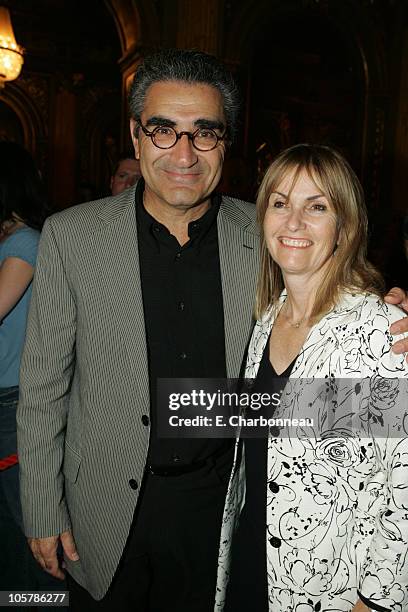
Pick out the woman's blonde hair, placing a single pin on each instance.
(349, 268)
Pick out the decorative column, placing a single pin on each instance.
(199, 25)
(401, 137)
(63, 147)
(128, 65)
(139, 32)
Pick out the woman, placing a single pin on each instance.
(22, 213)
(324, 525)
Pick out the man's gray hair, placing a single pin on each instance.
(191, 67)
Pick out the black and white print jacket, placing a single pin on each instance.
(337, 510)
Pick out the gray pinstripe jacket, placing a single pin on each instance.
(84, 375)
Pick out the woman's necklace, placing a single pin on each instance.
(295, 324)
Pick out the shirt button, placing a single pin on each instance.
(274, 431)
(183, 356)
(178, 256)
(273, 487)
(176, 458)
(181, 305)
(133, 484)
(145, 420)
(157, 228)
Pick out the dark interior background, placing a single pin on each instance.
(329, 71)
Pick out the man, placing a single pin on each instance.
(156, 282)
(125, 174)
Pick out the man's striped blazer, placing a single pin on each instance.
(84, 376)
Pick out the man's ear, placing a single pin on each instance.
(133, 135)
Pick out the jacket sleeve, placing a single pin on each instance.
(45, 379)
(384, 572)
(384, 575)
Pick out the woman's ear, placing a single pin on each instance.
(340, 237)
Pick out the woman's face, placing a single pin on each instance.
(300, 228)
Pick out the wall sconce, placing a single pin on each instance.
(11, 54)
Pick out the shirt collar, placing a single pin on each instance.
(197, 229)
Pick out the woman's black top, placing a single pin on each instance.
(247, 589)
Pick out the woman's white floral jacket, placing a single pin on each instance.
(337, 522)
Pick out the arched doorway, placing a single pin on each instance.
(10, 125)
(307, 85)
(321, 72)
(312, 71)
(22, 121)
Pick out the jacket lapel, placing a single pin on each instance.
(239, 260)
(119, 263)
(313, 360)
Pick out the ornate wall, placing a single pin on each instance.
(70, 79)
(331, 70)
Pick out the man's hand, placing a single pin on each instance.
(360, 607)
(398, 297)
(45, 552)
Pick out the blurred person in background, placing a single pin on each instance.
(22, 212)
(126, 173)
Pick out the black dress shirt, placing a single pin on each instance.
(183, 311)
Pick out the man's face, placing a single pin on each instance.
(182, 176)
(126, 175)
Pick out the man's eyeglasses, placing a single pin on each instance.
(165, 137)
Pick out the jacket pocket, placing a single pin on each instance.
(71, 465)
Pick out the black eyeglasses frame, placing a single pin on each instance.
(190, 135)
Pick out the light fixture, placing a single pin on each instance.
(11, 54)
